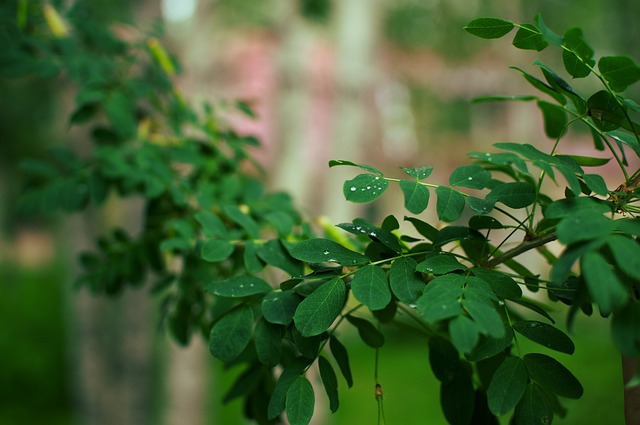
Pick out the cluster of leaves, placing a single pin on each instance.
(214, 242)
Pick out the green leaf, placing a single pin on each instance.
(215, 250)
(481, 206)
(583, 226)
(457, 398)
(404, 282)
(605, 111)
(211, 224)
(317, 312)
(619, 71)
(596, 184)
(546, 335)
(550, 36)
(578, 58)
(533, 409)
(231, 334)
(364, 188)
(371, 287)
(464, 333)
(503, 99)
(489, 27)
(529, 37)
(582, 205)
(279, 307)
(626, 252)
(441, 298)
(238, 286)
(300, 402)
(252, 262)
(513, 194)
(552, 376)
(625, 330)
(555, 119)
(245, 384)
(488, 347)
(589, 161)
(485, 316)
(501, 284)
(368, 333)
(507, 386)
(471, 176)
(274, 254)
(450, 204)
(416, 196)
(603, 284)
(121, 113)
(369, 168)
(291, 372)
(325, 250)
(440, 263)
(418, 173)
(425, 229)
(339, 353)
(626, 139)
(480, 222)
(543, 87)
(244, 220)
(385, 237)
(268, 342)
(330, 382)
(444, 359)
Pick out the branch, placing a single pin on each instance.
(520, 249)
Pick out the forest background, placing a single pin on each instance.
(383, 82)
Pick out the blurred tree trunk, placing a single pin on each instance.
(111, 340)
(356, 29)
(632, 394)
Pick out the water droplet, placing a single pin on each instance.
(377, 178)
(470, 178)
(326, 252)
(373, 234)
(251, 285)
(353, 188)
(241, 285)
(368, 187)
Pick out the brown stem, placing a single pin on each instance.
(522, 248)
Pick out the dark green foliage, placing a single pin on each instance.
(456, 284)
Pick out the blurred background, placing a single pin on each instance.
(382, 82)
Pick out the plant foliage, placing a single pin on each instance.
(212, 234)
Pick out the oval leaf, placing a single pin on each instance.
(404, 282)
(268, 342)
(533, 409)
(441, 263)
(464, 333)
(450, 204)
(231, 334)
(364, 188)
(419, 173)
(507, 386)
(371, 288)
(471, 176)
(368, 333)
(551, 375)
(416, 196)
(216, 250)
(239, 286)
(545, 334)
(489, 27)
(514, 195)
(325, 250)
(279, 307)
(300, 402)
(339, 353)
(330, 382)
(317, 312)
(603, 284)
